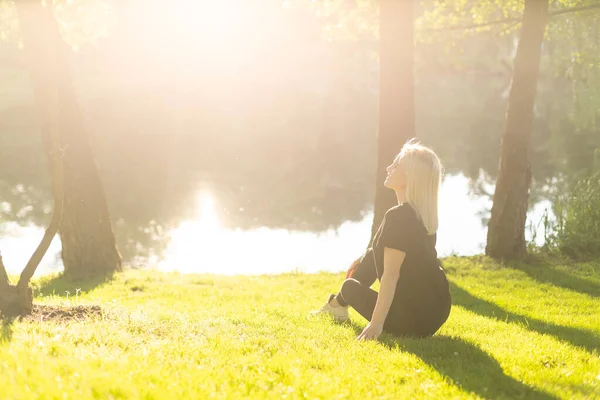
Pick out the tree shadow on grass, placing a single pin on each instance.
(574, 336)
(6, 334)
(58, 286)
(545, 272)
(465, 365)
(64, 286)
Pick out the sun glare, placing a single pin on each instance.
(217, 23)
(202, 245)
(207, 218)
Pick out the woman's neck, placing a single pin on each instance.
(401, 197)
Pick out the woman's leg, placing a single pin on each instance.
(363, 300)
(365, 274)
(359, 296)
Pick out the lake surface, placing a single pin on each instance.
(203, 243)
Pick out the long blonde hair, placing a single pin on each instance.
(423, 170)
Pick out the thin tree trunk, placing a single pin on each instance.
(57, 214)
(88, 241)
(18, 300)
(14, 300)
(506, 228)
(9, 298)
(396, 94)
(4, 282)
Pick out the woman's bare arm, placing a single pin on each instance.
(392, 261)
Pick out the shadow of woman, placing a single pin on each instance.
(464, 364)
(467, 366)
(574, 336)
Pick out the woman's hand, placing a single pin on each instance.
(371, 332)
(392, 260)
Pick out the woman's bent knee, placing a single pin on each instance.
(349, 289)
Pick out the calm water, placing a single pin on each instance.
(204, 244)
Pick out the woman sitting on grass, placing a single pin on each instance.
(414, 298)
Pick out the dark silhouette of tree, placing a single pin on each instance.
(506, 229)
(18, 299)
(88, 242)
(396, 94)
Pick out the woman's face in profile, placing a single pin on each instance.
(396, 178)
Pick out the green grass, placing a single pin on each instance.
(515, 331)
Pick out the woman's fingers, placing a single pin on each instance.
(369, 333)
(362, 334)
(366, 334)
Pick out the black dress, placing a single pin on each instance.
(422, 299)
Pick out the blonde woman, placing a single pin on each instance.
(414, 298)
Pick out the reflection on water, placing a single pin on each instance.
(204, 244)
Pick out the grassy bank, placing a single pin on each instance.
(515, 331)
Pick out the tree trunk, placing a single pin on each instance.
(18, 300)
(14, 300)
(396, 94)
(5, 289)
(88, 241)
(506, 228)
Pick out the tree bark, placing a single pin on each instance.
(4, 282)
(88, 241)
(14, 300)
(18, 300)
(57, 214)
(506, 228)
(396, 94)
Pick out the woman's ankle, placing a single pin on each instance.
(334, 302)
